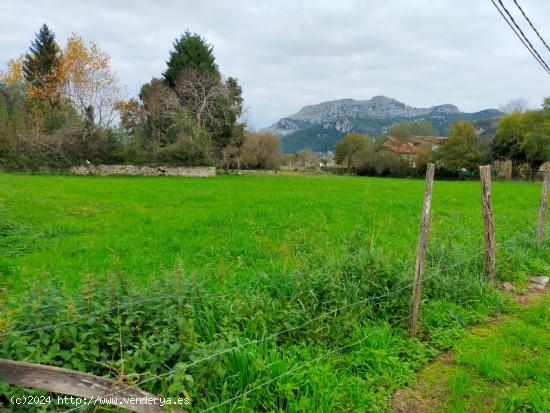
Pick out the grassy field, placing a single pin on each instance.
(275, 251)
(511, 374)
(64, 227)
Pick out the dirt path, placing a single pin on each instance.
(502, 365)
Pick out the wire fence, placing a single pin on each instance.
(271, 336)
(84, 315)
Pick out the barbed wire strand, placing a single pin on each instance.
(274, 335)
(130, 303)
(301, 366)
(152, 299)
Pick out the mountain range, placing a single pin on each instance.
(319, 127)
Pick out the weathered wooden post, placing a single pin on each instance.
(543, 205)
(490, 246)
(97, 390)
(421, 249)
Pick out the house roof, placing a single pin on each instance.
(398, 146)
(412, 144)
(434, 140)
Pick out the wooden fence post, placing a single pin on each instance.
(543, 205)
(421, 249)
(490, 246)
(97, 390)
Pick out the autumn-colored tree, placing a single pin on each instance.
(130, 114)
(14, 74)
(87, 80)
(80, 74)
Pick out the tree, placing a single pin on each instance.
(421, 127)
(160, 104)
(87, 80)
(306, 158)
(511, 135)
(461, 151)
(403, 129)
(130, 114)
(399, 130)
(14, 74)
(262, 150)
(508, 141)
(515, 105)
(350, 146)
(366, 159)
(235, 96)
(41, 65)
(537, 148)
(214, 104)
(191, 51)
(535, 144)
(233, 151)
(204, 95)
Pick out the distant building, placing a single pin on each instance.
(408, 148)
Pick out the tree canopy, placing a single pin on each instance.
(348, 147)
(521, 138)
(404, 129)
(190, 51)
(41, 64)
(461, 151)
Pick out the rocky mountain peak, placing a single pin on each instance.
(319, 126)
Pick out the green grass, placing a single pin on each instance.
(500, 367)
(277, 251)
(513, 370)
(229, 227)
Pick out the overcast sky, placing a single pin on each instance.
(290, 53)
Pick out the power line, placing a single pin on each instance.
(523, 34)
(532, 25)
(539, 60)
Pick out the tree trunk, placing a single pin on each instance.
(515, 169)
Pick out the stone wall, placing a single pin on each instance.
(103, 170)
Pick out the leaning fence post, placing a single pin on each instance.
(543, 205)
(421, 249)
(490, 246)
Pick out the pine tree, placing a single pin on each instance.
(41, 63)
(191, 51)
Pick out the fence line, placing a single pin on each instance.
(97, 312)
(152, 299)
(270, 337)
(301, 366)
(310, 362)
(274, 335)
